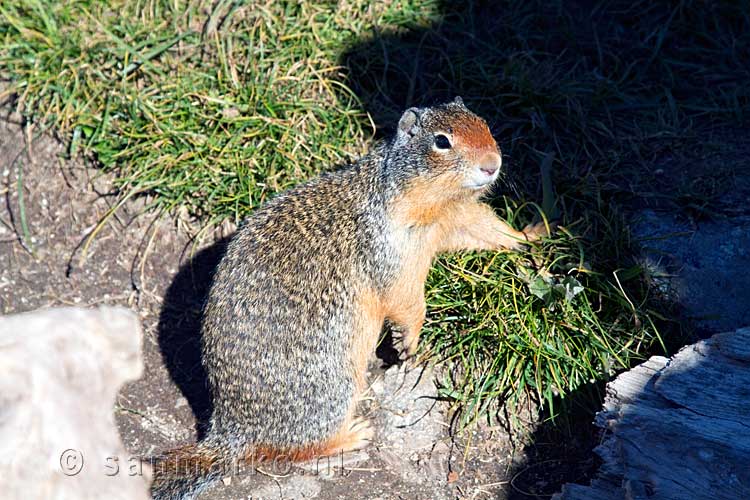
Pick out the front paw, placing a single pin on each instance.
(411, 346)
(533, 232)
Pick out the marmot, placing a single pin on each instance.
(298, 301)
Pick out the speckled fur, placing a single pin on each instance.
(298, 302)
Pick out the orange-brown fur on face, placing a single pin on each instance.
(473, 134)
(471, 140)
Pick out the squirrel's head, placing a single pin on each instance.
(447, 143)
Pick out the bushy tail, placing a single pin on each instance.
(182, 473)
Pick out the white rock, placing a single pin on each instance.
(61, 370)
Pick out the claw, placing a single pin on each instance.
(534, 232)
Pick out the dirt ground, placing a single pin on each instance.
(157, 267)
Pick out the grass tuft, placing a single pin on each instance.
(543, 324)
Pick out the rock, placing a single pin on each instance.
(407, 408)
(62, 369)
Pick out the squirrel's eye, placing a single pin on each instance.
(442, 142)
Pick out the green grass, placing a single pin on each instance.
(544, 323)
(214, 122)
(212, 107)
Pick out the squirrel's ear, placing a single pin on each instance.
(408, 125)
(458, 101)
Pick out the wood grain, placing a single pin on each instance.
(678, 428)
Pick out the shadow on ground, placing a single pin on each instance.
(560, 450)
(601, 84)
(179, 330)
(572, 76)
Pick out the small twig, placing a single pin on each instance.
(26, 241)
(271, 475)
(363, 469)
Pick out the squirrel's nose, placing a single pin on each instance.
(490, 163)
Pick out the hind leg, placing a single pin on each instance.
(355, 434)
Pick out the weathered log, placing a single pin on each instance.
(679, 428)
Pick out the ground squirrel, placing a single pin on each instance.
(299, 300)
